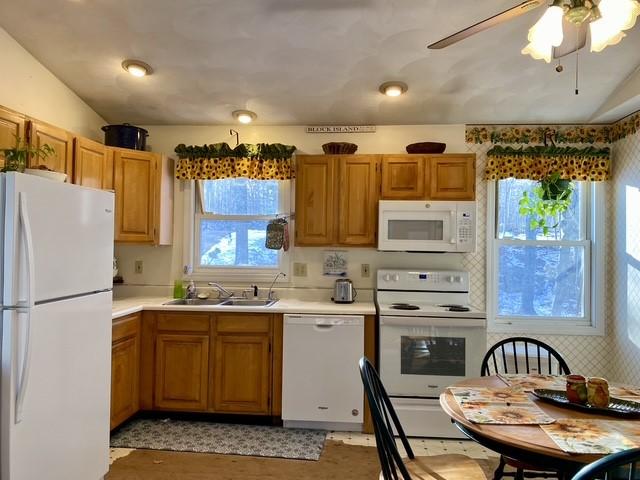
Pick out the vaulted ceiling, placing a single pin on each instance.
(310, 61)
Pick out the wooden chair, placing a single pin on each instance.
(394, 467)
(526, 355)
(622, 465)
(531, 355)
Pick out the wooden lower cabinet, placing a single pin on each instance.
(182, 366)
(242, 374)
(217, 363)
(125, 368)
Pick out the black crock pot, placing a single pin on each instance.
(125, 136)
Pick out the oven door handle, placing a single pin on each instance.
(432, 322)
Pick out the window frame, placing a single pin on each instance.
(192, 215)
(594, 238)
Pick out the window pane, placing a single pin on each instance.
(225, 243)
(512, 225)
(541, 281)
(240, 196)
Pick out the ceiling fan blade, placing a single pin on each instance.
(575, 38)
(505, 16)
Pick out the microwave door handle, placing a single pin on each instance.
(453, 228)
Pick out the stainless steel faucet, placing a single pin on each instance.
(221, 289)
(270, 294)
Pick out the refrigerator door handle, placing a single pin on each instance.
(27, 238)
(23, 377)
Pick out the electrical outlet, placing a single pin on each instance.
(299, 269)
(364, 270)
(138, 266)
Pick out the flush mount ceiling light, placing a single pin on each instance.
(244, 116)
(604, 20)
(137, 68)
(393, 89)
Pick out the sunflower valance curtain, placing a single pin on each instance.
(538, 162)
(260, 161)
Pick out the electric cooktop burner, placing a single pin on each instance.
(404, 306)
(456, 308)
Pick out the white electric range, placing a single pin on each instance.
(430, 337)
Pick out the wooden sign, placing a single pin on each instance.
(341, 129)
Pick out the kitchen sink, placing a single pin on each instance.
(228, 302)
(247, 302)
(195, 301)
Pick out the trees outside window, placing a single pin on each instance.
(539, 281)
(230, 221)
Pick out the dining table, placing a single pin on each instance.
(528, 444)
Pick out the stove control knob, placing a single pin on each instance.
(450, 279)
(458, 279)
(395, 277)
(386, 277)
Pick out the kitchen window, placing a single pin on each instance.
(546, 283)
(226, 237)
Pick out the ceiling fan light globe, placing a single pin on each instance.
(548, 30)
(621, 14)
(604, 34)
(539, 51)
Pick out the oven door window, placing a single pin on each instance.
(439, 356)
(429, 230)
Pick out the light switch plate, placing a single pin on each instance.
(299, 269)
(138, 266)
(365, 272)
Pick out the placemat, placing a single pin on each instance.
(530, 381)
(499, 406)
(593, 436)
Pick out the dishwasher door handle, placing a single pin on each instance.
(323, 327)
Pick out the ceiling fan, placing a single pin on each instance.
(564, 27)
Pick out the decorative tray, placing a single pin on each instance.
(617, 406)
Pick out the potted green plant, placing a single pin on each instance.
(548, 200)
(15, 159)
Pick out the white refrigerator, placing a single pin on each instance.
(56, 280)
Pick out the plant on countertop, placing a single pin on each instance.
(16, 158)
(549, 199)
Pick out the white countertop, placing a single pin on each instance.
(126, 306)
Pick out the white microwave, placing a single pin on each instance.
(426, 226)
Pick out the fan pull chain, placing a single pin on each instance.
(577, 63)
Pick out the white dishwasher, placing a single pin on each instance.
(321, 385)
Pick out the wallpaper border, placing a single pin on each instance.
(564, 134)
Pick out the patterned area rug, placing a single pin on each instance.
(205, 437)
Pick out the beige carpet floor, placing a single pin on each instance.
(338, 461)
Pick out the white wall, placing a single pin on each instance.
(624, 274)
(28, 87)
(164, 264)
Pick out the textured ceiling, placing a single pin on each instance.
(308, 61)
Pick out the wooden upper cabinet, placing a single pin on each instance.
(337, 199)
(315, 197)
(143, 183)
(125, 369)
(60, 140)
(403, 177)
(182, 371)
(135, 174)
(358, 199)
(12, 125)
(428, 177)
(92, 166)
(453, 177)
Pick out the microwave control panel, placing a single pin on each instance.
(466, 228)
